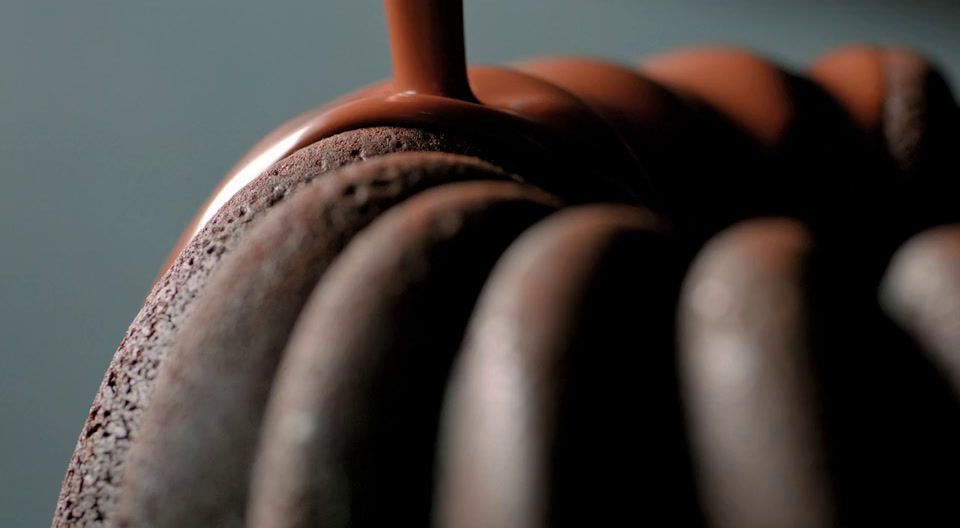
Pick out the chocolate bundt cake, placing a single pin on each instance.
(567, 292)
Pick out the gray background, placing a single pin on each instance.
(118, 117)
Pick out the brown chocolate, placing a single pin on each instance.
(746, 89)
(191, 462)
(748, 379)
(427, 45)
(898, 97)
(516, 111)
(350, 431)
(815, 158)
(906, 113)
(708, 137)
(560, 409)
(921, 291)
(90, 488)
(855, 76)
(890, 419)
(681, 143)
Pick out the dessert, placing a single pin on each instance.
(920, 290)
(904, 107)
(373, 398)
(570, 338)
(381, 316)
(747, 377)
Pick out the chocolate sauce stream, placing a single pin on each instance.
(426, 40)
(527, 117)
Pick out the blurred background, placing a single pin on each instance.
(117, 117)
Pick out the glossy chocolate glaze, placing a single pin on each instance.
(855, 77)
(814, 163)
(432, 88)
(426, 41)
(746, 89)
(586, 122)
(627, 137)
(708, 137)
(906, 114)
(602, 131)
(878, 84)
(681, 141)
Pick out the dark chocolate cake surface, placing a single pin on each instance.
(565, 293)
(89, 491)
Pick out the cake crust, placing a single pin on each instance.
(90, 488)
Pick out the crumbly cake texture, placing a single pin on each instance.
(579, 309)
(348, 439)
(90, 487)
(191, 465)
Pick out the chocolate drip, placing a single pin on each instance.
(426, 38)
(861, 153)
(433, 89)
